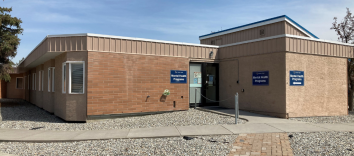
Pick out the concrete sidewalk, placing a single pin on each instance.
(251, 117)
(173, 131)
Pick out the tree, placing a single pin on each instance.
(10, 28)
(345, 32)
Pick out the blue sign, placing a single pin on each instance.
(260, 78)
(178, 76)
(297, 78)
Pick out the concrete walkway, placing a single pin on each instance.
(173, 131)
(251, 117)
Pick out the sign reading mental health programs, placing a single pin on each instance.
(178, 76)
(260, 78)
(297, 78)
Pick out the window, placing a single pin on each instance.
(64, 78)
(53, 78)
(42, 80)
(49, 78)
(76, 77)
(19, 82)
(39, 80)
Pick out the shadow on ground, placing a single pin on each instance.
(19, 110)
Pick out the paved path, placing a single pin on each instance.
(173, 131)
(256, 124)
(264, 144)
(251, 117)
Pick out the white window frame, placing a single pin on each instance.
(83, 85)
(39, 80)
(42, 86)
(53, 79)
(49, 78)
(63, 77)
(16, 82)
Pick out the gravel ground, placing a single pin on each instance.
(201, 145)
(322, 143)
(331, 119)
(27, 116)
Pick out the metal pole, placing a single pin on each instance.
(195, 99)
(236, 107)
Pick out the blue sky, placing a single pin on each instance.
(181, 21)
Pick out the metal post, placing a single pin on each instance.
(195, 99)
(236, 107)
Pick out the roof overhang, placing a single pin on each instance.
(258, 24)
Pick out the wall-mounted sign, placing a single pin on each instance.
(197, 78)
(297, 78)
(178, 76)
(260, 78)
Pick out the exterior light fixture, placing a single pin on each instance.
(211, 55)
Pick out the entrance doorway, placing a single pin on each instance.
(203, 84)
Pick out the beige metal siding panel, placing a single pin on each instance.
(250, 34)
(52, 44)
(95, 43)
(106, 42)
(118, 45)
(89, 43)
(72, 45)
(184, 51)
(138, 47)
(112, 44)
(148, 48)
(166, 49)
(129, 46)
(158, 49)
(143, 47)
(162, 49)
(153, 48)
(100, 44)
(178, 50)
(123, 46)
(188, 51)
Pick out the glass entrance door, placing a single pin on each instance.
(195, 84)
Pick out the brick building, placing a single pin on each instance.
(277, 66)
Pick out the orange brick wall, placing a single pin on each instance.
(120, 83)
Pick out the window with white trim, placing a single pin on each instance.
(53, 78)
(42, 80)
(39, 80)
(64, 78)
(19, 83)
(49, 78)
(76, 77)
